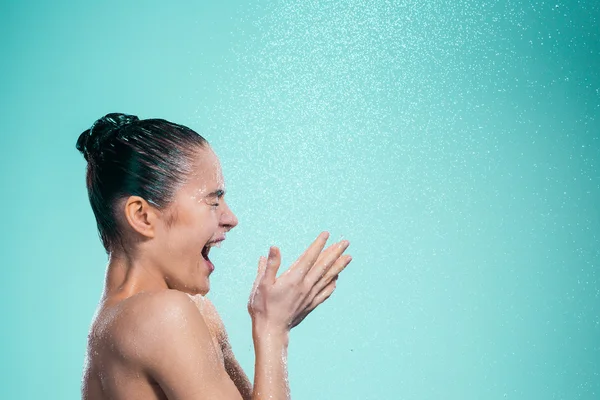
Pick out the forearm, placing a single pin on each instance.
(270, 369)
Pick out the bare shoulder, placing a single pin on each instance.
(139, 326)
(164, 335)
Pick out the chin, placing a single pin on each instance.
(194, 286)
(202, 287)
(198, 288)
(204, 291)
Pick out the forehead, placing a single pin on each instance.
(206, 173)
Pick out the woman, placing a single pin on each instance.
(157, 192)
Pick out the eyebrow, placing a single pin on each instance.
(217, 193)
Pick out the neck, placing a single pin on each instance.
(127, 276)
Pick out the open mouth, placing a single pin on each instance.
(206, 250)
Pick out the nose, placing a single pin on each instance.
(228, 218)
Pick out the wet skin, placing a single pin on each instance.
(115, 369)
(143, 279)
(155, 335)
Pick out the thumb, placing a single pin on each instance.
(262, 266)
(273, 263)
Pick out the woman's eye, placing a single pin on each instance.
(215, 204)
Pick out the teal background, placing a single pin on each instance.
(455, 144)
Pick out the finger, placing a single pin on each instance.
(333, 272)
(273, 263)
(327, 251)
(325, 261)
(323, 294)
(318, 299)
(340, 264)
(308, 258)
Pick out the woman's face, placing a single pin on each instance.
(199, 219)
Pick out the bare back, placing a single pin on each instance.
(116, 348)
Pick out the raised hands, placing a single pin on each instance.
(279, 304)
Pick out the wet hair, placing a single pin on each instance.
(127, 156)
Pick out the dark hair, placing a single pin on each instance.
(131, 157)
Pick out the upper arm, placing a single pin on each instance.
(174, 346)
(216, 326)
(236, 373)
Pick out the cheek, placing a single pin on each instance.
(183, 236)
(202, 227)
(210, 217)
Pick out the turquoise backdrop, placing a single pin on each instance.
(456, 144)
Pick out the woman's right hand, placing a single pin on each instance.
(279, 304)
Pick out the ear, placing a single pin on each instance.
(141, 216)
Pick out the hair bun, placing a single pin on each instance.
(91, 141)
